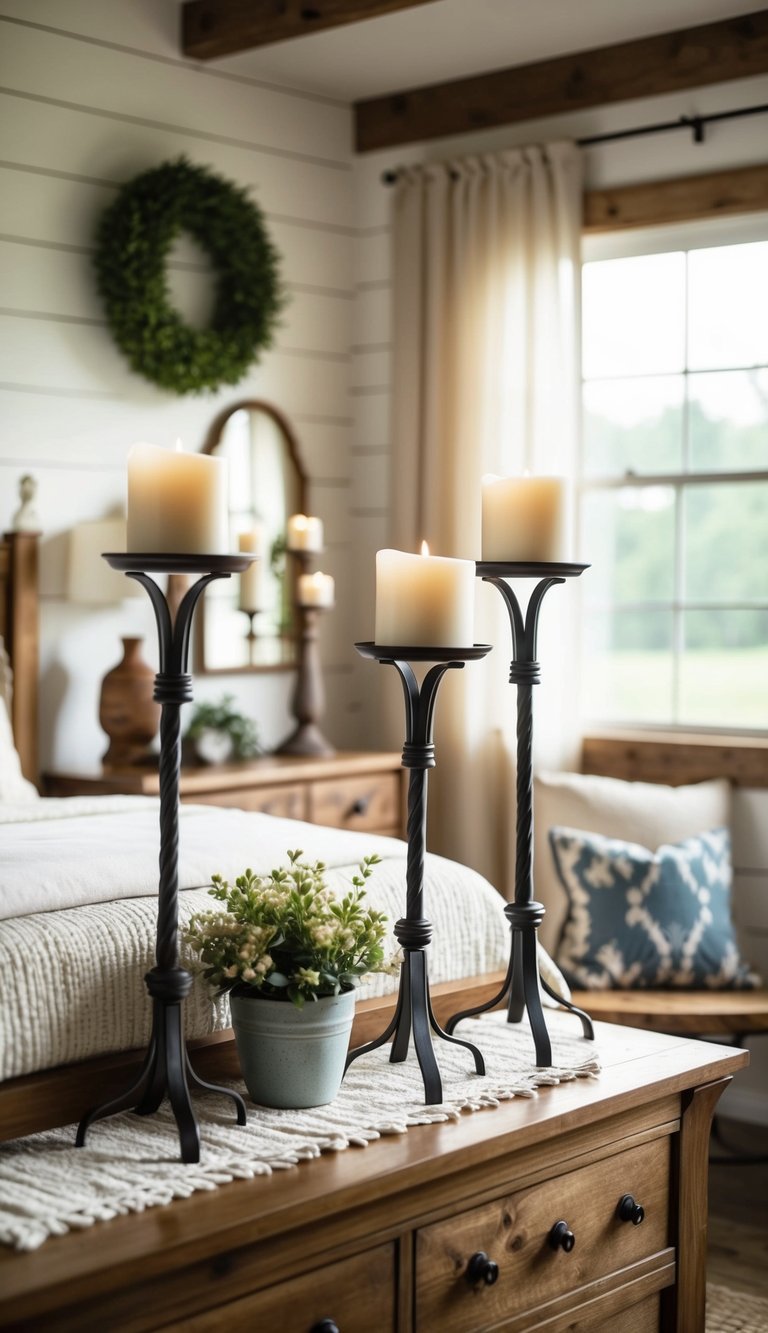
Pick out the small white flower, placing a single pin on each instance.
(308, 976)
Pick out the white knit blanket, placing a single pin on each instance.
(72, 852)
(71, 979)
(49, 1187)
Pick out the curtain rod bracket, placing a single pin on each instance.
(697, 124)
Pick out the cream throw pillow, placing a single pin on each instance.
(643, 812)
(14, 788)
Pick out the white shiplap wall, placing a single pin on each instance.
(728, 144)
(90, 95)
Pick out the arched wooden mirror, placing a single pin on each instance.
(246, 623)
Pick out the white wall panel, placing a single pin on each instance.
(373, 322)
(58, 355)
(105, 148)
(105, 97)
(372, 419)
(371, 480)
(372, 368)
(49, 65)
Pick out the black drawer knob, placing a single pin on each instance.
(360, 806)
(325, 1326)
(561, 1237)
(482, 1269)
(630, 1211)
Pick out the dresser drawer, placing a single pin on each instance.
(642, 1318)
(357, 1294)
(514, 1233)
(367, 801)
(286, 800)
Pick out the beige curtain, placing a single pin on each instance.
(486, 375)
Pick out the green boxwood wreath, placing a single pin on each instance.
(134, 237)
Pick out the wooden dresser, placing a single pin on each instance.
(361, 790)
(383, 1239)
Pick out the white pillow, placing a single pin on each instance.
(14, 788)
(647, 813)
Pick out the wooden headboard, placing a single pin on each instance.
(20, 635)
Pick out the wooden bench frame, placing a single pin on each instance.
(675, 759)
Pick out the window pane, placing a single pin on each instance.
(634, 316)
(728, 306)
(627, 671)
(629, 538)
(724, 668)
(728, 420)
(633, 425)
(726, 542)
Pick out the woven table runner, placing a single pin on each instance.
(130, 1163)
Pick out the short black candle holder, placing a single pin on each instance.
(524, 914)
(413, 1012)
(166, 1067)
(308, 702)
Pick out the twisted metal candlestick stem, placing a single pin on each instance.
(167, 948)
(414, 1014)
(166, 1068)
(522, 983)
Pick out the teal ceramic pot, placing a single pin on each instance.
(292, 1057)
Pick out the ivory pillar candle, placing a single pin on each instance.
(316, 589)
(305, 533)
(177, 502)
(525, 518)
(424, 600)
(250, 593)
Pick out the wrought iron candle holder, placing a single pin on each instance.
(524, 914)
(413, 1012)
(308, 702)
(166, 1067)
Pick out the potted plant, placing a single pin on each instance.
(219, 732)
(290, 954)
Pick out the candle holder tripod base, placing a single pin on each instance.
(166, 1067)
(522, 983)
(414, 1015)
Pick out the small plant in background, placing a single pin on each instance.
(286, 936)
(224, 719)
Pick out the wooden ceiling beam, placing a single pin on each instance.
(690, 58)
(656, 203)
(213, 28)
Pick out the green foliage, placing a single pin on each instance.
(725, 549)
(286, 936)
(133, 241)
(223, 716)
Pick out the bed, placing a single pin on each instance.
(78, 901)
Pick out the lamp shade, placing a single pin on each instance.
(90, 578)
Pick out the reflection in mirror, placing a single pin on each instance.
(247, 622)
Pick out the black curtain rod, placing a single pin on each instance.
(695, 124)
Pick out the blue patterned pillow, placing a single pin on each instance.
(638, 918)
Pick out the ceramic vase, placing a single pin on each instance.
(127, 709)
(292, 1057)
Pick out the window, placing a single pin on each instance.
(674, 484)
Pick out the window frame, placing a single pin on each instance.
(655, 236)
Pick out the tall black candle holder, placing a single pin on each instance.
(166, 1067)
(413, 1012)
(524, 914)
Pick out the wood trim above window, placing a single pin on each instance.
(677, 757)
(656, 203)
